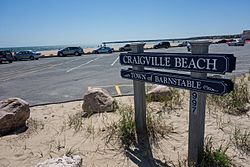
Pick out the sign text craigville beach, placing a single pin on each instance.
(212, 63)
(199, 63)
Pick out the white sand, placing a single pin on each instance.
(56, 138)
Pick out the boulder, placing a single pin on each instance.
(13, 114)
(98, 100)
(65, 161)
(158, 93)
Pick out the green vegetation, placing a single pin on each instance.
(241, 140)
(157, 128)
(35, 124)
(75, 121)
(124, 130)
(214, 157)
(234, 102)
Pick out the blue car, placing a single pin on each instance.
(103, 49)
(27, 54)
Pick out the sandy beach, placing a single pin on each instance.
(49, 135)
(54, 52)
(48, 53)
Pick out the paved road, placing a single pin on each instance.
(67, 78)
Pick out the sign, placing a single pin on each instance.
(199, 63)
(209, 85)
(209, 63)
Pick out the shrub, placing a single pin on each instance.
(125, 131)
(157, 128)
(241, 140)
(233, 102)
(126, 127)
(75, 121)
(212, 157)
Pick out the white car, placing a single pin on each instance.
(236, 43)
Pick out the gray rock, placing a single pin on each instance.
(98, 100)
(158, 93)
(72, 161)
(13, 114)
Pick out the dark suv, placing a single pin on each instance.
(77, 51)
(125, 48)
(162, 45)
(6, 55)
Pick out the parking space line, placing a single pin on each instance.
(115, 60)
(82, 64)
(118, 90)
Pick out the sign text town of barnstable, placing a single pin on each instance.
(198, 82)
(209, 85)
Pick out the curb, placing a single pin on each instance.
(73, 100)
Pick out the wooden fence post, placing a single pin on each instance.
(140, 107)
(197, 108)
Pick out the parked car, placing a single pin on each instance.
(162, 45)
(236, 43)
(184, 43)
(27, 54)
(103, 49)
(77, 51)
(221, 41)
(126, 47)
(6, 55)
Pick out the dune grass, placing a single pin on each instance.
(234, 102)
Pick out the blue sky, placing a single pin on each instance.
(58, 22)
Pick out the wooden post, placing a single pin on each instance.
(197, 108)
(140, 107)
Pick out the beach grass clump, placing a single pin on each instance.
(125, 129)
(157, 128)
(75, 121)
(173, 100)
(214, 157)
(241, 140)
(35, 124)
(234, 102)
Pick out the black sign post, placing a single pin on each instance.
(199, 63)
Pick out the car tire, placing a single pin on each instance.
(10, 61)
(32, 58)
(60, 54)
(37, 58)
(77, 54)
(15, 59)
(110, 51)
(0, 62)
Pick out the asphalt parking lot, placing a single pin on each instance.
(60, 79)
